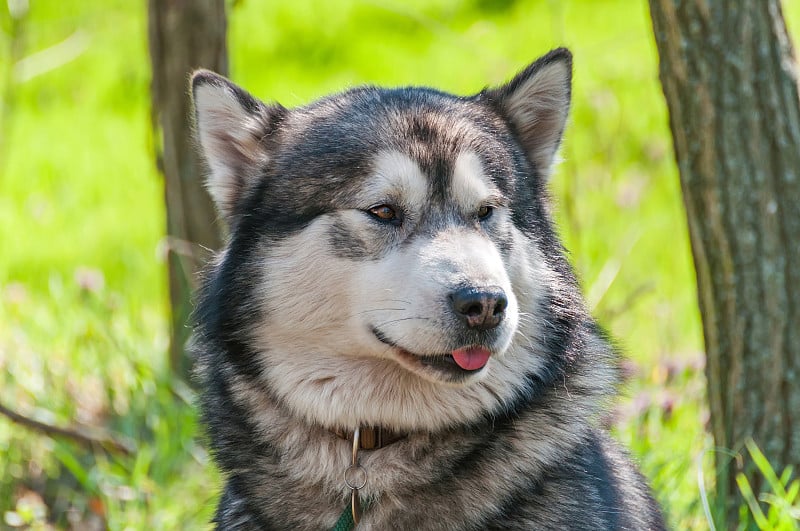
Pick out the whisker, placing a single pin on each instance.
(404, 319)
(527, 339)
(395, 300)
(377, 310)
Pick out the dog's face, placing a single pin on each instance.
(396, 240)
(403, 271)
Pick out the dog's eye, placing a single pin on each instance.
(386, 213)
(485, 212)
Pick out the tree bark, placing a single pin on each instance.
(730, 80)
(184, 35)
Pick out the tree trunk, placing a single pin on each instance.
(730, 81)
(184, 35)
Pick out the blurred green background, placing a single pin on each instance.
(83, 301)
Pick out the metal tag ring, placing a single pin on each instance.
(355, 477)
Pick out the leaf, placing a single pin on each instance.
(766, 468)
(749, 497)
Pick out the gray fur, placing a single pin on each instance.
(319, 315)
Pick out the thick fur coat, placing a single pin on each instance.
(392, 262)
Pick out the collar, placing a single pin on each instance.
(371, 437)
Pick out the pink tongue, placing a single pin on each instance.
(471, 358)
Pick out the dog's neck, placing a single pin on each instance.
(355, 476)
(372, 437)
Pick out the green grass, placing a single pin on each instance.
(82, 282)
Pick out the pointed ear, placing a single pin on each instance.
(233, 129)
(536, 103)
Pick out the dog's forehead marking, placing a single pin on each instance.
(469, 184)
(397, 176)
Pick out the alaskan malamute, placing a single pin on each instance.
(392, 333)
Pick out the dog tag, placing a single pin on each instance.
(355, 505)
(355, 477)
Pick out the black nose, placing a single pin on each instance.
(481, 308)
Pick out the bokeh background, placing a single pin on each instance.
(83, 296)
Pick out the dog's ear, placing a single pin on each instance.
(536, 103)
(233, 129)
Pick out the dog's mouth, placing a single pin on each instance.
(456, 365)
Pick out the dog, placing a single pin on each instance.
(392, 335)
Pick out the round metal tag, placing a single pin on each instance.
(355, 477)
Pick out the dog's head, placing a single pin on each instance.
(390, 246)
